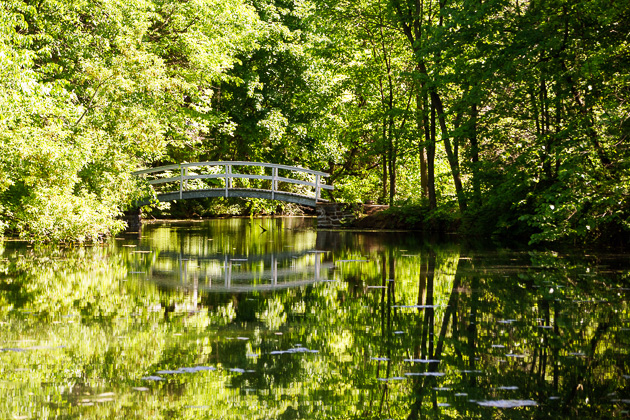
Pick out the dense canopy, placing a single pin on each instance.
(503, 117)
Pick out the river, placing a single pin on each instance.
(271, 319)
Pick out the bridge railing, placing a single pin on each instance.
(228, 175)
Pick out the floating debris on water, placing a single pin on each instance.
(167, 372)
(422, 360)
(425, 374)
(194, 369)
(399, 332)
(508, 388)
(506, 321)
(516, 356)
(441, 388)
(461, 394)
(380, 359)
(345, 261)
(242, 338)
(498, 346)
(294, 350)
(140, 388)
(507, 403)
(416, 306)
(444, 405)
(395, 378)
(237, 370)
(152, 378)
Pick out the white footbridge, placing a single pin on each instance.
(236, 179)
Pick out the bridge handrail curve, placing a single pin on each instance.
(228, 175)
(232, 163)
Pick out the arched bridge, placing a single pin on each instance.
(232, 179)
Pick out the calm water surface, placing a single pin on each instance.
(271, 319)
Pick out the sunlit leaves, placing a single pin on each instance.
(92, 91)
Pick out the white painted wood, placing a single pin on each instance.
(162, 180)
(227, 176)
(274, 183)
(185, 178)
(157, 169)
(181, 182)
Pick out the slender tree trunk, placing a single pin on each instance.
(546, 155)
(450, 155)
(474, 152)
(421, 123)
(431, 158)
(392, 176)
(385, 177)
(390, 134)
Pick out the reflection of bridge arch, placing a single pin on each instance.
(205, 175)
(276, 273)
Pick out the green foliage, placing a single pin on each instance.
(89, 92)
(529, 123)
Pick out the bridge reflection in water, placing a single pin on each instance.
(234, 273)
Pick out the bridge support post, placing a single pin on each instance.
(228, 179)
(133, 220)
(274, 183)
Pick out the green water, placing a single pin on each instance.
(271, 319)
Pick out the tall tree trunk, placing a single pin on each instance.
(450, 155)
(385, 163)
(431, 160)
(390, 134)
(421, 124)
(474, 152)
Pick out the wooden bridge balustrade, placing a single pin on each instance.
(228, 175)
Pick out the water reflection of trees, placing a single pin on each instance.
(569, 324)
(540, 330)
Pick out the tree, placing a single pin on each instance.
(102, 89)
